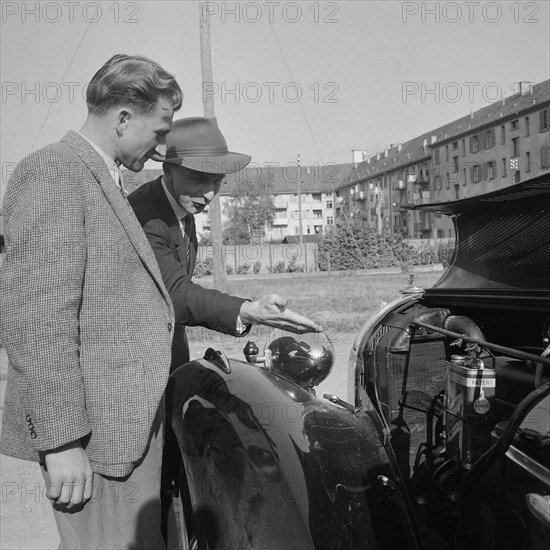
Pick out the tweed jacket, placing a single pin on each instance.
(193, 304)
(85, 317)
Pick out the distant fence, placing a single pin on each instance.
(306, 255)
(269, 255)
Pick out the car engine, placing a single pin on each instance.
(447, 381)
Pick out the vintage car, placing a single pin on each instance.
(447, 442)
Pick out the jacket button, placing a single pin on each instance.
(169, 327)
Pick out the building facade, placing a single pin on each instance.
(303, 198)
(494, 147)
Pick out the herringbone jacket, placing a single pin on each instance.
(84, 314)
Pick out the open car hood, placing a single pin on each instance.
(503, 242)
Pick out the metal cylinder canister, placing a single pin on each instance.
(470, 411)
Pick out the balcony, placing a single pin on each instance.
(280, 204)
(425, 225)
(361, 196)
(278, 222)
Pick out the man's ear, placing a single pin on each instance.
(123, 117)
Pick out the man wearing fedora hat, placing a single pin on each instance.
(196, 161)
(194, 166)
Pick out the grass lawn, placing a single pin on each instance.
(342, 301)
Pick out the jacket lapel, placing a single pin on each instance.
(119, 204)
(167, 215)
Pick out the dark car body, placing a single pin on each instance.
(447, 445)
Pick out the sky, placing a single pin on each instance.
(311, 78)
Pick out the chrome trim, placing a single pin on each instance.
(528, 464)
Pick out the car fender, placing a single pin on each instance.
(271, 466)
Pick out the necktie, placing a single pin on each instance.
(187, 233)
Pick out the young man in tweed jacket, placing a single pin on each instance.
(85, 317)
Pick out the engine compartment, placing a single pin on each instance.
(447, 400)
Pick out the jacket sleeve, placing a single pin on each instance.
(40, 293)
(194, 305)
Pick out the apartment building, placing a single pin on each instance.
(491, 148)
(308, 190)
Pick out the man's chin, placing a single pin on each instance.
(136, 166)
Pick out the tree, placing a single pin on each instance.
(249, 210)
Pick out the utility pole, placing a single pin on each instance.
(214, 208)
(300, 237)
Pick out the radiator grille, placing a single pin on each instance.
(422, 367)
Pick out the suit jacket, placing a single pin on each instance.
(193, 304)
(84, 314)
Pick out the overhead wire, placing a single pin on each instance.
(62, 80)
(344, 214)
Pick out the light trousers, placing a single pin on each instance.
(123, 513)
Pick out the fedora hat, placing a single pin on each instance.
(197, 143)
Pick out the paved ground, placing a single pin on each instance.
(26, 520)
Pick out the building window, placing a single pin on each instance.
(491, 171)
(463, 147)
(437, 182)
(455, 164)
(514, 125)
(446, 153)
(545, 156)
(544, 120)
(515, 147)
(436, 156)
(474, 144)
(330, 220)
(517, 176)
(489, 139)
(475, 173)
(457, 192)
(328, 204)
(503, 167)
(528, 163)
(502, 134)
(316, 197)
(527, 126)
(455, 145)
(317, 213)
(464, 178)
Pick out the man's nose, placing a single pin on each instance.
(160, 149)
(209, 190)
(208, 194)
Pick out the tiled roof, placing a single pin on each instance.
(414, 150)
(508, 107)
(284, 179)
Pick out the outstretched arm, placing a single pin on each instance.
(271, 310)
